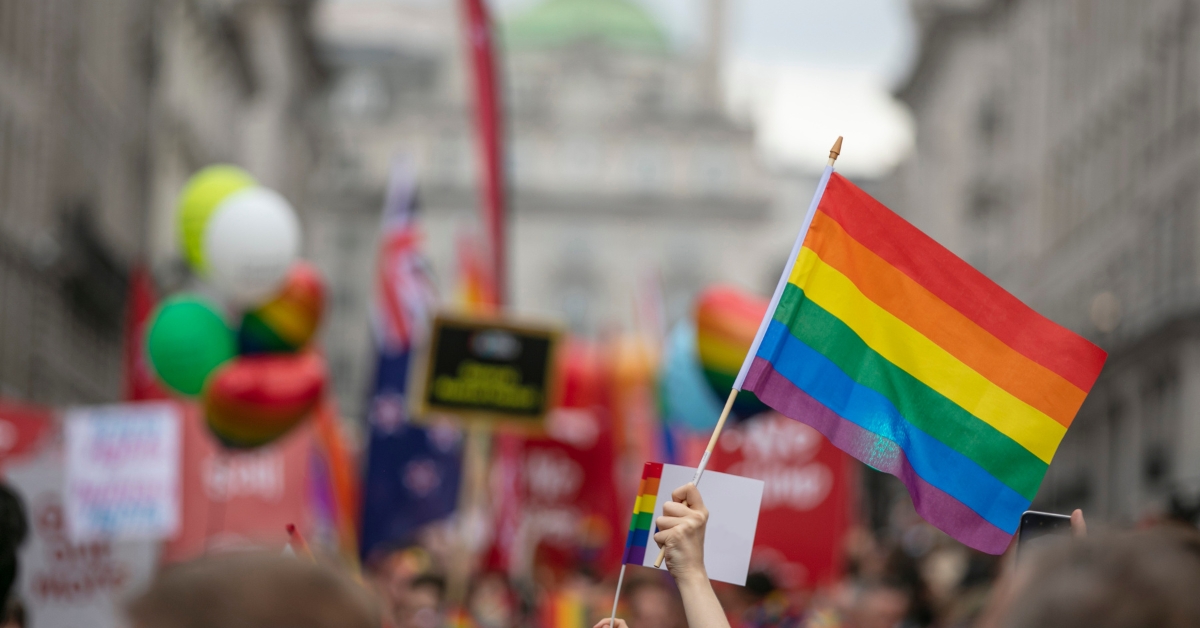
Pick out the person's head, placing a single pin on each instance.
(1144, 578)
(15, 615)
(880, 605)
(652, 604)
(13, 529)
(423, 604)
(252, 590)
(393, 573)
(492, 602)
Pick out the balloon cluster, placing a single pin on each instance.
(259, 380)
(703, 356)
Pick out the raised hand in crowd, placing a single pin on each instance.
(681, 532)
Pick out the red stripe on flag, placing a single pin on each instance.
(961, 286)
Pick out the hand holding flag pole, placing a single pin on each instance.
(737, 386)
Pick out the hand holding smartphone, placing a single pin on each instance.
(1041, 525)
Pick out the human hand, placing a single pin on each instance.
(616, 623)
(1078, 525)
(681, 533)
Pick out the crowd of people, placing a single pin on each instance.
(1144, 577)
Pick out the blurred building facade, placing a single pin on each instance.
(74, 97)
(1057, 150)
(105, 109)
(624, 168)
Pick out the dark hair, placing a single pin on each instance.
(253, 590)
(430, 580)
(13, 530)
(1146, 578)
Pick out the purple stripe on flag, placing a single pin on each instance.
(636, 555)
(943, 511)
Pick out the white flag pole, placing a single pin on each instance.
(762, 326)
(612, 621)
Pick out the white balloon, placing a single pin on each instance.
(250, 242)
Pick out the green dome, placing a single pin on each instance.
(618, 23)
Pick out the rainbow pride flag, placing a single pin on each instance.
(912, 361)
(643, 514)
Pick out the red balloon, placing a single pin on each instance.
(252, 400)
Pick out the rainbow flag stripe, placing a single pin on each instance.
(915, 363)
(643, 514)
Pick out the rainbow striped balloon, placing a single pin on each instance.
(918, 365)
(726, 319)
(288, 321)
(643, 514)
(253, 400)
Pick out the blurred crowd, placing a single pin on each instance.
(911, 577)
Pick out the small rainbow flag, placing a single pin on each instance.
(643, 514)
(915, 363)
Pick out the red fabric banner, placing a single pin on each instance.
(23, 430)
(570, 502)
(488, 122)
(140, 381)
(240, 498)
(807, 500)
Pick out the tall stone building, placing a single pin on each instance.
(1057, 150)
(236, 81)
(622, 163)
(74, 96)
(105, 109)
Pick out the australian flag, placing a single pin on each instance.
(412, 471)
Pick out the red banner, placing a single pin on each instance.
(240, 498)
(140, 381)
(555, 501)
(23, 430)
(488, 122)
(807, 500)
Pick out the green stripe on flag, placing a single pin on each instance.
(920, 405)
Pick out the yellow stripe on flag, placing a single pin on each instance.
(922, 358)
(645, 503)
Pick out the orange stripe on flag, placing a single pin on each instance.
(932, 317)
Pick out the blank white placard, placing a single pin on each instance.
(733, 503)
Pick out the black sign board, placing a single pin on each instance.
(490, 369)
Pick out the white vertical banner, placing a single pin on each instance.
(122, 472)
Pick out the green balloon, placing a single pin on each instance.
(188, 340)
(199, 199)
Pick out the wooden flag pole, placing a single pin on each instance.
(712, 442)
(835, 151)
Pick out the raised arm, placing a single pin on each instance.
(681, 532)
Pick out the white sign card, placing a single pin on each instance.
(733, 503)
(122, 472)
(63, 583)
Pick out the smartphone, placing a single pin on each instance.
(1045, 526)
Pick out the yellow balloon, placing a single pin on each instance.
(199, 199)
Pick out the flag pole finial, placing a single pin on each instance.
(835, 151)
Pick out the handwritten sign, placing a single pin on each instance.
(122, 472)
(62, 582)
(489, 369)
